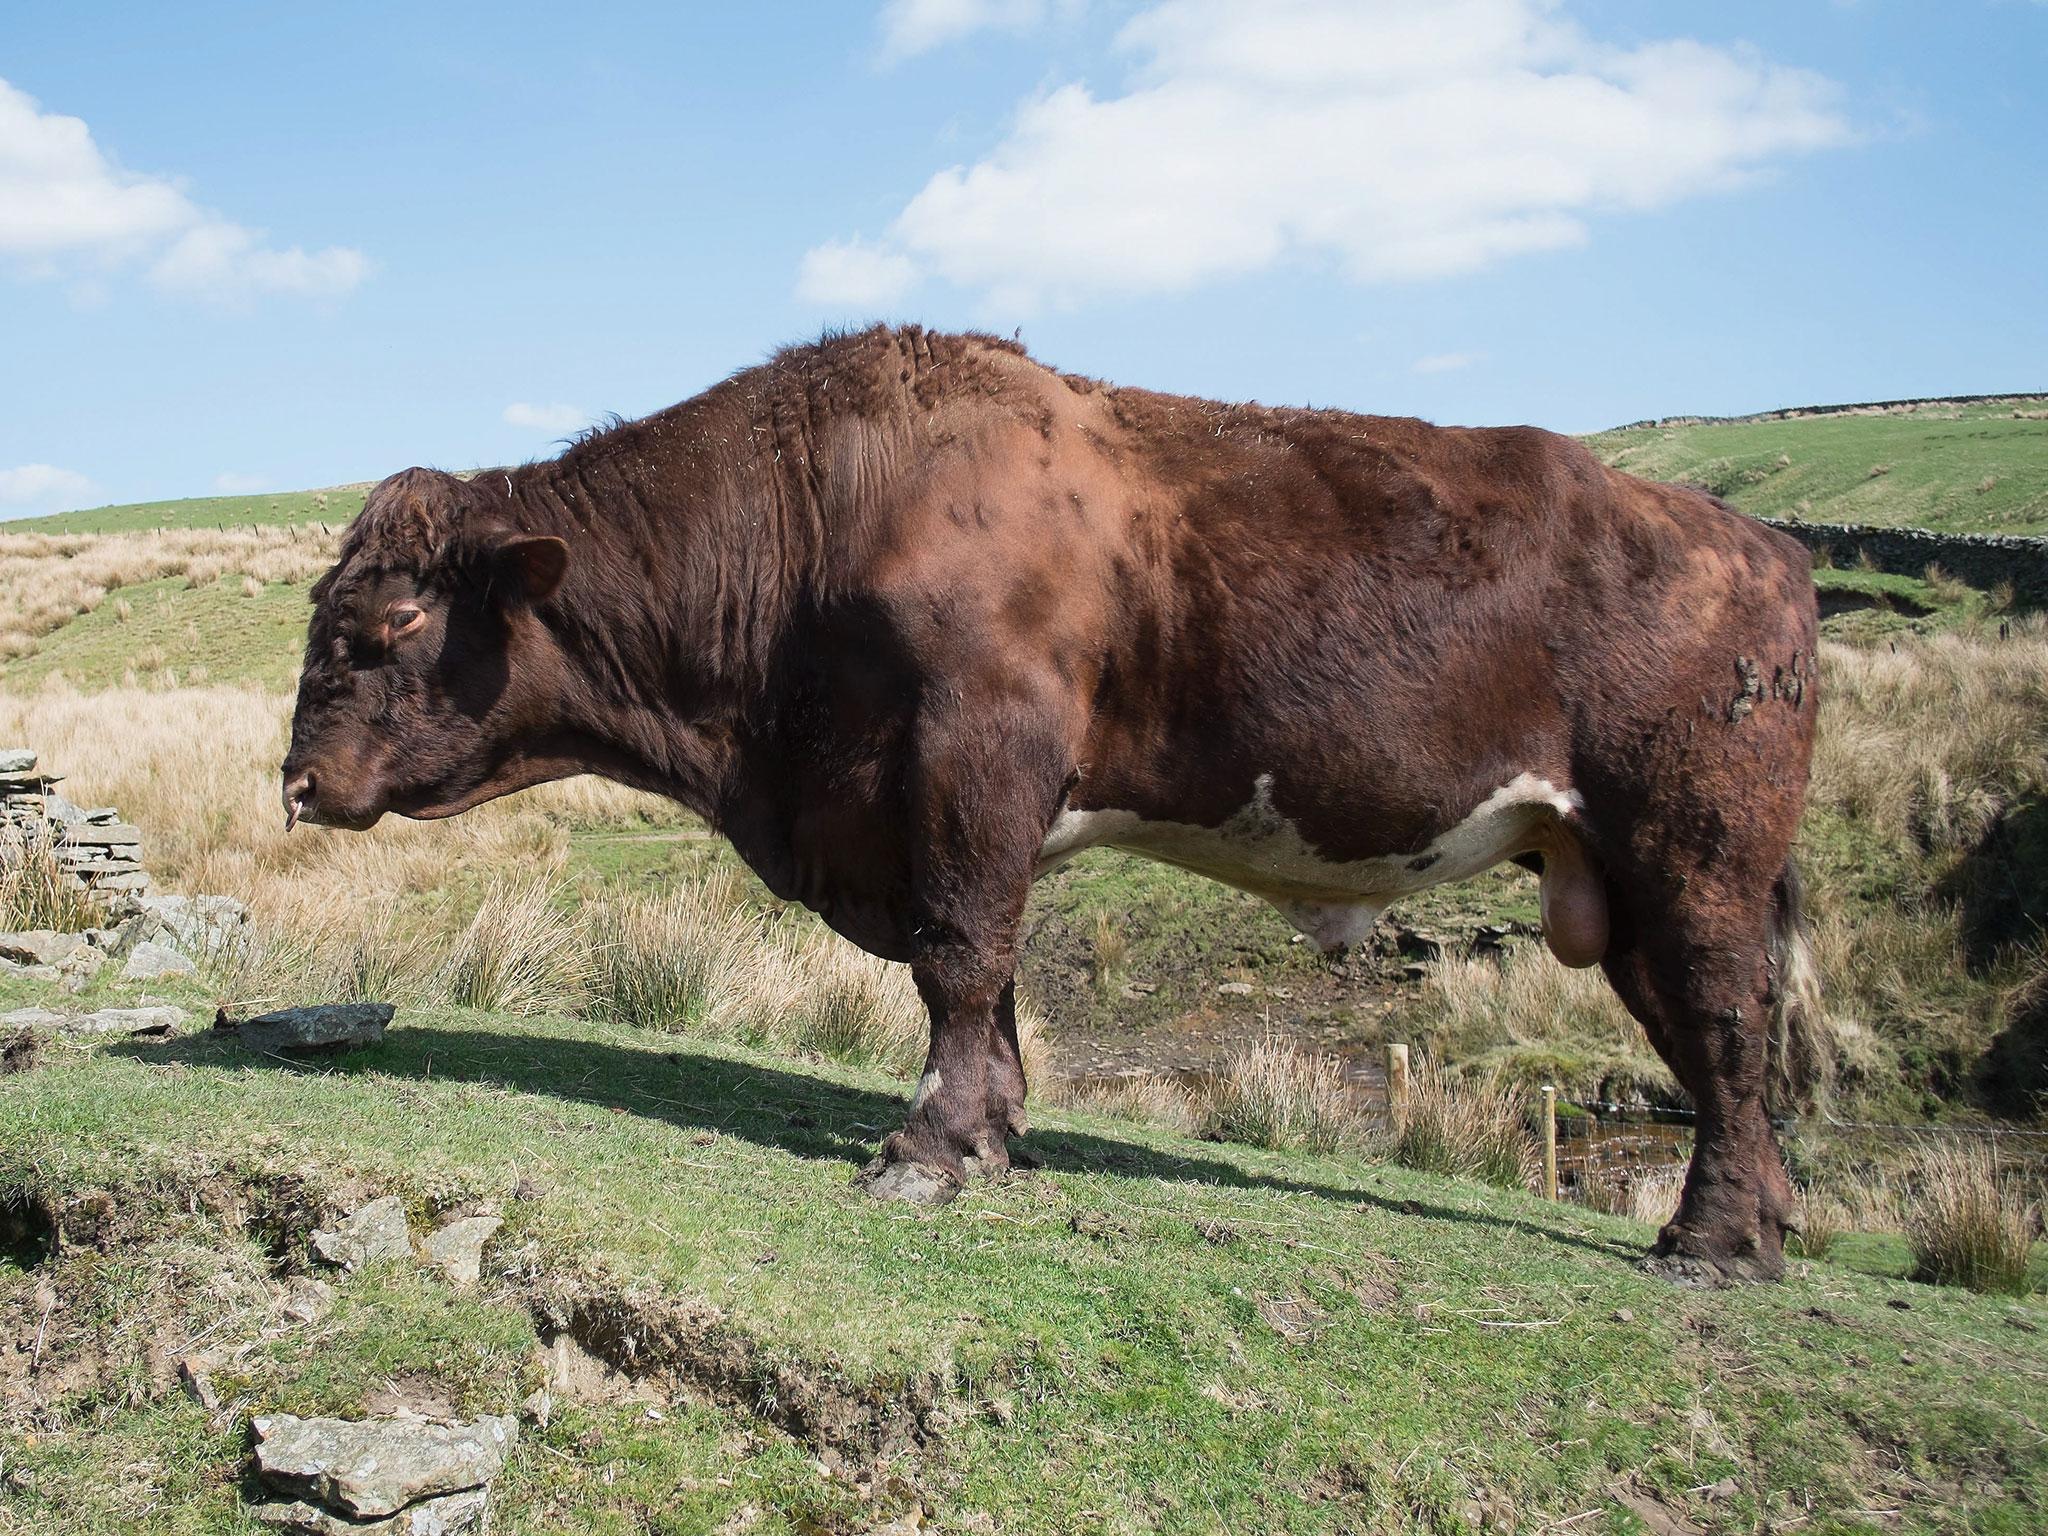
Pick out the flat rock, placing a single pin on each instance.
(31, 1018)
(38, 946)
(448, 1515)
(150, 961)
(17, 760)
(322, 1027)
(457, 1250)
(101, 832)
(124, 1021)
(369, 1469)
(374, 1231)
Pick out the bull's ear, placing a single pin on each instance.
(536, 562)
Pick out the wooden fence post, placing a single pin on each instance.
(1549, 1142)
(1397, 1086)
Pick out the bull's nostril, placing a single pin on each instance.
(298, 794)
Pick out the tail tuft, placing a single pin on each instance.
(1802, 1044)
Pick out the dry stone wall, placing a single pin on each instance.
(1983, 560)
(94, 847)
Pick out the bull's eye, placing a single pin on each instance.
(405, 619)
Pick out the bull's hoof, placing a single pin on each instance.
(1684, 1264)
(908, 1182)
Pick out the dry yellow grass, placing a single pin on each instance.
(1147, 1097)
(1469, 1128)
(48, 579)
(1967, 1224)
(1271, 1094)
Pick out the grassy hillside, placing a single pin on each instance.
(1975, 468)
(335, 505)
(1151, 1334)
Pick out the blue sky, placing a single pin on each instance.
(263, 246)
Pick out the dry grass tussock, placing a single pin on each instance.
(1270, 1094)
(699, 960)
(47, 580)
(34, 891)
(1969, 1223)
(1463, 1127)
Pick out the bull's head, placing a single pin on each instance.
(432, 681)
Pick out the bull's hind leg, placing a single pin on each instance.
(1699, 975)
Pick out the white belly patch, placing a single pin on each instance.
(1333, 902)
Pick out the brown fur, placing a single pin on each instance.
(884, 606)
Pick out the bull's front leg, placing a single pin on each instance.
(984, 799)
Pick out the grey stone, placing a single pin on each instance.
(122, 936)
(449, 1515)
(83, 961)
(457, 1250)
(198, 925)
(135, 880)
(374, 1468)
(30, 1018)
(32, 972)
(150, 961)
(322, 1027)
(89, 833)
(374, 1231)
(125, 1021)
(307, 1300)
(57, 808)
(17, 760)
(38, 946)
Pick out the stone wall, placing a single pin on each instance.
(1983, 560)
(94, 847)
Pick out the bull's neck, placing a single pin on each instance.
(693, 536)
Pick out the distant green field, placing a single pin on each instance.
(1978, 468)
(334, 506)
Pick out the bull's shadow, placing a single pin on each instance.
(804, 1116)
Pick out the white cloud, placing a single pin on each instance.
(1393, 140)
(43, 486)
(66, 209)
(554, 419)
(1445, 362)
(911, 27)
(853, 274)
(231, 483)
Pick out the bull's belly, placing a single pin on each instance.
(1336, 902)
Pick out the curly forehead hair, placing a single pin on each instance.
(406, 521)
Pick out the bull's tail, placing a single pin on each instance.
(1802, 1043)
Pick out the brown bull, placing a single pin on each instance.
(911, 618)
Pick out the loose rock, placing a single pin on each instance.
(449, 1515)
(37, 946)
(150, 961)
(457, 1250)
(376, 1231)
(325, 1027)
(125, 1021)
(376, 1468)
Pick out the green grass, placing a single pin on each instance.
(216, 633)
(1957, 469)
(333, 506)
(1150, 1334)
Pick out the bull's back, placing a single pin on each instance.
(1386, 623)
